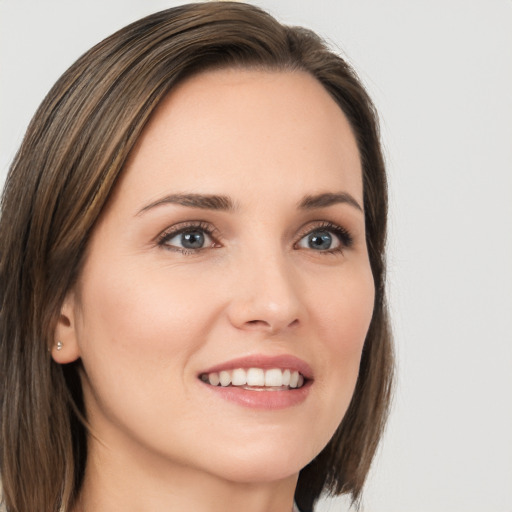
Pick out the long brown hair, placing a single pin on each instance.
(61, 179)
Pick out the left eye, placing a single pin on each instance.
(320, 240)
(190, 239)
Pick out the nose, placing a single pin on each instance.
(266, 296)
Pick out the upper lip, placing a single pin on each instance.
(266, 362)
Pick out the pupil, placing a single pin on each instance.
(320, 240)
(192, 240)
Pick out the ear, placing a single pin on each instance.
(65, 348)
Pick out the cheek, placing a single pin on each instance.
(345, 315)
(139, 310)
(346, 309)
(136, 333)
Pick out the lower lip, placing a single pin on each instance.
(262, 399)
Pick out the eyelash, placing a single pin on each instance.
(170, 233)
(345, 238)
(343, 235)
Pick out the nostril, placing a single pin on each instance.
(258, 322)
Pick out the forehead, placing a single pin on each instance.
(227, 127)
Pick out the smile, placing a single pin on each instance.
(256, 379)
(260, 381)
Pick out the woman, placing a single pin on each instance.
(192, 275)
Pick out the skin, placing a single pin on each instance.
(147, 318)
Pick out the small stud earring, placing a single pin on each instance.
(59, 345)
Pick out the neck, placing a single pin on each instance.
(117, 480)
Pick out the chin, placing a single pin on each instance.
(254, 472)
(260, 464)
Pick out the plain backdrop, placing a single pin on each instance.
(440, 72)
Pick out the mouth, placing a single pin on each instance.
(256, 379)
(260, 381)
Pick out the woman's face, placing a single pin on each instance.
(233, 249)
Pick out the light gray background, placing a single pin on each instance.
(440, 72)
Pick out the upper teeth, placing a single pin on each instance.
(275, 377)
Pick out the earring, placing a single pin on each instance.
(59, 345)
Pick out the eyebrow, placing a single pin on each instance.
(205, 202)
(328, 199)
(224, 203)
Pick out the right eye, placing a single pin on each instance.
(188, 239)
